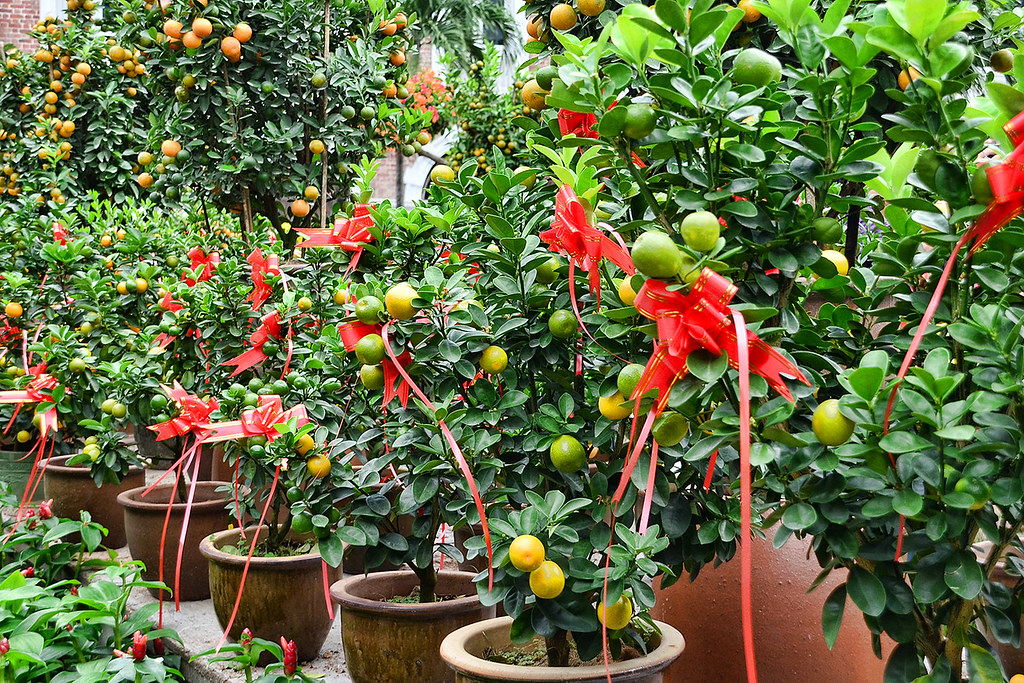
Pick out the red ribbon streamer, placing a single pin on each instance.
(456, 451)
(194, 413)
(270, 328)
(394, 383)
(582, 126)
(1007, 181)
(60, 233)
(261, 268)
(260, 420)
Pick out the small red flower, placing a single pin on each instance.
(46, 509)
(5, 645)
(246, 638)
(158, 646)
(28, 572)
(139, 646)
(291, 656)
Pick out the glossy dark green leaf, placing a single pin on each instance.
(866, 591)
(832, 614)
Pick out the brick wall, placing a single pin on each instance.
(16, 18)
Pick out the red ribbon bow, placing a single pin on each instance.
(260, 420)
(270, 328)
(195, 413)
(350, 234)
(33, 393)
(60, 233)
(700, 320)
(584, 244)
(261, 268)
(394, 384)
(200, 258)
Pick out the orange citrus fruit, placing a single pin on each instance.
(300, 208)
(626, 292)
(170, 148)
(563, 17)
(526, 553)
(563, 324)
(533, 95)
(13, 310)
(750, 13)
(976, 488)
(242, 32)
(398, 300)
(700, 230)
(617, 615)
(547, 581)
(493, 360)
(656, 255)
(590, 8)
(442, 173)
(906, 76)
(614, 407)
(318, 466)
(316, 146)
(370, 349)
(567, 454)
(830, 426)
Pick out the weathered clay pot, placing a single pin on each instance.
(788, 641)
(144, 518)
(398, 642)
(463, 650)
(283, 596)
(15, 469)
(73, 490)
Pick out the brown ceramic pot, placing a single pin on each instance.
(398, 642)
(283, 596)
(73, 490)
(144, 518)
(788, 641)
(463, 650)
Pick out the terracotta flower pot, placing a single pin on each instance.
(788, 642)
(464, 650)
(398, 642)
(144, 518)
(283, 596)
(73, 489)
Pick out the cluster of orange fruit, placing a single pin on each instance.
(390, 28)
(171, 153)
(9, 179)
(200, 29)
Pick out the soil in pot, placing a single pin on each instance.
(471, 652)
(283, 596)
(73, 490)
(144, 517)
(788, 642)
(398, 642)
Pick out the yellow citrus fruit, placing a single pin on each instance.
(23, 436)
(372, 377)
(830, 426)
(563, 17)
(563, 324)
(304, 444)
(526, 553)
(670, 429)
(626, 292)
(141, 285)
(750, 13)
(533, 95)
(700, 230)
(318, 466)
(317, 146)
(13, 310)
(906, 76)
(590, 8)
(618, 615)
(656, 255)
(122, 288)
(370, 349)
(304, 303)
(838, 260)
(613, 408)
(442, 173)
(547, 581)
(399, 301)
(1017, 678)
(341, 297)
(567, 454)
(493, 360)
(311, 193)
(756, 67)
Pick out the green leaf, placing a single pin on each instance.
(957, 433)
(904, 442)
(706, 366)
(832, 614)
(982, 666)
(866, 591)
(866, 381)
(671, 12)
(908, 503)
(896, 42)
(903, 665)
(922, 18)
(953, 24)
(963, 575)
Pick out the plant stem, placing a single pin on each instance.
(558, 648)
